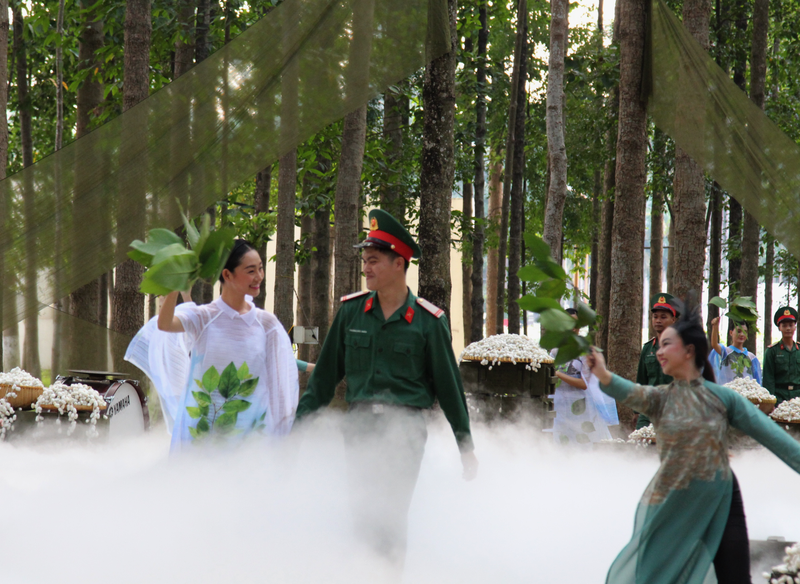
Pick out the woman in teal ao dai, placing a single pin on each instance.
(229, 371)
(689, 526)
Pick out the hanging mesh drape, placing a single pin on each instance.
(694, 101)
(302, 67)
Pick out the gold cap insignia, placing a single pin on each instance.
(787, 313)
(662, 300)
(373, 224)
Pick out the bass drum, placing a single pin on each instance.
(127, 410)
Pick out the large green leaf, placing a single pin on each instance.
(156, 240)
(531, 273)
(226, 421)
(553, 339)
(552, 289)
(203, 426)
(192, 235)
(573, 347)
(537, 303)
(176, 272)
(211, 379)
(586, 316)
(248, 387)
(148, 286)
(235, 405)
(718, 302)
(202, 398)
(175, 251)
(537, 246)
(243, 372)
(214, 253)
(229, 382)
(744, 301)
(194, 413)
(556, 320)
(552, 269)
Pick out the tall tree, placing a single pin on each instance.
(714, 251)
(594, 270)
(466, 266)
(627, 244)
(185, 41)
(30, 352)
(751, 231)
(85, 301)
(395, 105)
(128, 306)
(517, 206)
(656, 241)
(495, 212)
(61, 304)
(500, 295)
(556, 146)
(261, 205)
(284, 238)
(689, 198)
(478, 233)
(321, 264)
(4, 202)
(437, 170)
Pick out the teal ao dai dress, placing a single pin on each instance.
(682, 514)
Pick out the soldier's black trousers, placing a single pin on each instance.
(384, 452)
(732, 562)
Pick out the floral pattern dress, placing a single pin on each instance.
(682, 514)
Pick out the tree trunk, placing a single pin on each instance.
(30, 351)
(670, 254)
(769, 274)
(751, 232)
(392, 197)
(128, 306)
(302, 316)
(508, 169)
(556, 147)
(517, 202)
(627, 245)
(436, 172)
(284, 240)
(85, 301)
(202, 39)
(466, 265)
(595, 252)
(734, 247)
(689, 200)
(478, 233)
(715, 252)
(656, 243)
(4, 203)
(321, 269)
(495, 211)
(60, 304)
(261, 205)
(184, 44)
(348, 191)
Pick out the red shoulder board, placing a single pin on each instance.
(651, 340)
(354, 295)
(774, 344)
(432, 308)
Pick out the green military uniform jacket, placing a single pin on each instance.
(650, 373)
(782, 371)
(406, 360)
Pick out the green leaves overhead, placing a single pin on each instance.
(550, 284)
(741, 309)
(171, 266)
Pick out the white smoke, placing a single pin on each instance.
(128, 513)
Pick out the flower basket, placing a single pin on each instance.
(26, 395)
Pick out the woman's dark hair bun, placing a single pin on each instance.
(689, 327)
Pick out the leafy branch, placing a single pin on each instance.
(550, 282)
(221, 415)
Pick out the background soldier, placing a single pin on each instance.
(782, 360)
(662, 315)
(396, 351)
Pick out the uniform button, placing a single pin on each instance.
(378, 371)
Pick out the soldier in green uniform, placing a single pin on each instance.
(782, 360)
(396, 352)
(662, 315)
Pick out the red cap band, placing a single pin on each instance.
(397, 246)
(660, 306)
(785, 316)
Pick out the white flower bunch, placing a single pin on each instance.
(789, 571)
(751, 390)
(643, 436)
(66, 397)
(509, 349)
(20, 378)
(7, 416)
(788, 411)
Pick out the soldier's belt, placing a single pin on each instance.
(380, 407)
